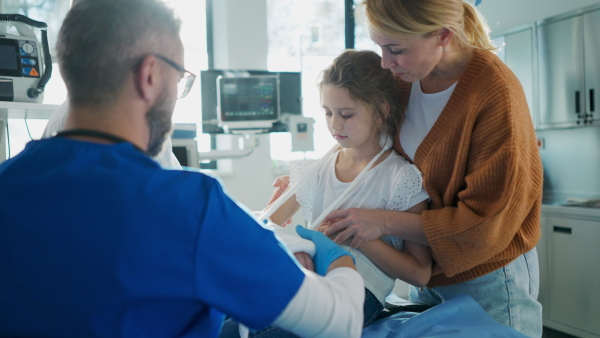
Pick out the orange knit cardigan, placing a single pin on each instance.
(482, 169)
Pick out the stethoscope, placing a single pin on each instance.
(96, 134)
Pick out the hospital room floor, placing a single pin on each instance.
(550, 333)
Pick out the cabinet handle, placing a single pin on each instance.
(592, 100)
(577, 102)
(562, 230)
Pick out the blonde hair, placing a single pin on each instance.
(406, 19)
(361, 74)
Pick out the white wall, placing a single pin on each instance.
(240, 34)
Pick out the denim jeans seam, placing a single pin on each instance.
(373, 316)
(370, 298)
(531, 280)
(508, 296)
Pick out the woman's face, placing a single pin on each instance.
(411, 60)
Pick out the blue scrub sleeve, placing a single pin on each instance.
(242, 270)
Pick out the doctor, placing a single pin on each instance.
(96, 240)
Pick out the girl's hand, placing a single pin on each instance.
(305, 260)
(358, 225)
(280, 184)
(326, 225)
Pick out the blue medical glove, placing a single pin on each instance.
(327, 250)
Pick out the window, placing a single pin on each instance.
(305, 36)
(361, 31)
(193, 36)
(52, 12)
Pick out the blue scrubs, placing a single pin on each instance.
(98, 240)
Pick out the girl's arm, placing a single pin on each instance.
(412, 266)
(361, 225)
(282, 217)
(285, 212)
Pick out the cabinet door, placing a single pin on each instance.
(560, 45)
(591, 27)
(518, 55)
(574, 272)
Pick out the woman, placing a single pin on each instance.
(467, 128)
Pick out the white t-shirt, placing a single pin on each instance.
(394, 184)
(422, 112)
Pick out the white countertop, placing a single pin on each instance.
(561, 210)
(21, 110)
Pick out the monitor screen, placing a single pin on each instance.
(9, 58)
(290, 96)
(250, 102)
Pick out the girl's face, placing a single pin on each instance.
(412, 60)
(350, 122)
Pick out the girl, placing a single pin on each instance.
(360, 104)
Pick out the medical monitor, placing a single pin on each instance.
(247, 103)
(290, 96)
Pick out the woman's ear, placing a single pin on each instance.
(445, 36)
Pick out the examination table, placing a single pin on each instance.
(458, 317)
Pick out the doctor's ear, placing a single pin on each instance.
(146, 78)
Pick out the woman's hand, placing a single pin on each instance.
(358, 225)
(305, 260)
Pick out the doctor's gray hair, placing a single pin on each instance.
(101, 42)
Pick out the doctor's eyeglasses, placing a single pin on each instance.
(186, 82)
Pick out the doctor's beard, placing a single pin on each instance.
(159, 124)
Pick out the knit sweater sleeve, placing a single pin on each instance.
(487, 214)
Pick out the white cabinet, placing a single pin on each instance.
(569, 70)
(560, 45)
(556, 61)
(570, 274)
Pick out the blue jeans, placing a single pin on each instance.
(509, 294)
(230, 329)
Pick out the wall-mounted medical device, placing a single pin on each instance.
(247, 103)
(25, 64)
(302, 131)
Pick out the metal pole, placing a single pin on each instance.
(349, 23)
